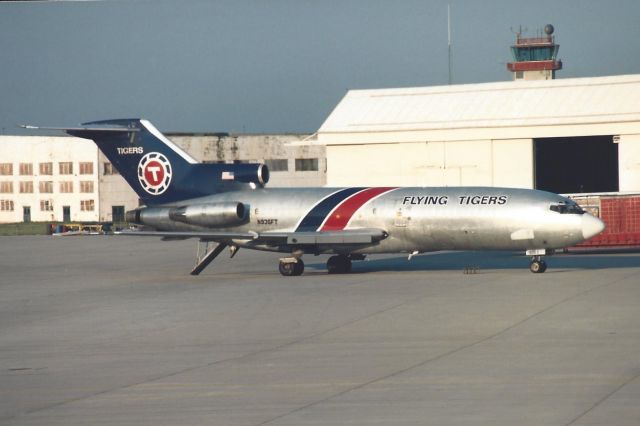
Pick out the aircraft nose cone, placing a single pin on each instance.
(591, 226)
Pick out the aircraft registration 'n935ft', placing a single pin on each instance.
(229, 204)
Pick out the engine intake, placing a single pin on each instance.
(210, 215)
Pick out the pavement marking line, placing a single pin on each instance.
(460, 349)
(604, 398)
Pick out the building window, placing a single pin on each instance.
(306, 164)
(45, 187)
(66, 168)
(46, 169)
(6, 187)
(109, 169)
(26, 169)
(86, 186)
(87, 205)
(66, 187)
(46, 205)
(86, 168)
(6, 205)
(6, 169)
(277, 165)
(26, 187)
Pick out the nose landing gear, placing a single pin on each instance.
(537, 265)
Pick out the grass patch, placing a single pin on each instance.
(21, 228)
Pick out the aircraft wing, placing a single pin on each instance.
(179, 235)
(346, 237)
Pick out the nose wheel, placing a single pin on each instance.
(537, 265)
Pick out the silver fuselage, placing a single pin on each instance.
(416, 219)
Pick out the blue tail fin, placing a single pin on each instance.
(159, 171)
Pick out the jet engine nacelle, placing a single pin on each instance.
(248, 173)
(210, 215)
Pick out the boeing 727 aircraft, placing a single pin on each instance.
(229, 204)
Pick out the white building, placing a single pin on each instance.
(48, 179)
(568, 135)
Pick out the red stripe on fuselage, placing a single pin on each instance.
(341, 215)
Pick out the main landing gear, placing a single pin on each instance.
(339, 264)
(291, 266)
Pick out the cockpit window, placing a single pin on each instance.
(566, 208)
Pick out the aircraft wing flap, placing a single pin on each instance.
(355, 236)
(330, 239)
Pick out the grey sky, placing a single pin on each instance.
(277, 65)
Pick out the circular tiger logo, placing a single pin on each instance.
(154, 173)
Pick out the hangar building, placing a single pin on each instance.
(579, 135)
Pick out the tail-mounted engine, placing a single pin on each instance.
(210, 215)
(247, 173)
(207, 215)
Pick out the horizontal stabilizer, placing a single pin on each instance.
(84, 129)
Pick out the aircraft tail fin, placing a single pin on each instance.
(158, 170)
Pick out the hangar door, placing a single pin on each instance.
(576, 165)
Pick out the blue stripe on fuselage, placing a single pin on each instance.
(317, 214)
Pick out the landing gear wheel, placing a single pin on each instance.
(340, 264)
(538, 266)
(291, 269)
(298, 267)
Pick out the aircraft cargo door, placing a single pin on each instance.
(576, 165)
(402, 216)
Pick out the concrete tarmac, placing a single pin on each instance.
(113, 330)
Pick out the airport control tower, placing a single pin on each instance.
(534, 58)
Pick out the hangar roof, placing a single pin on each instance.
(488, 105)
